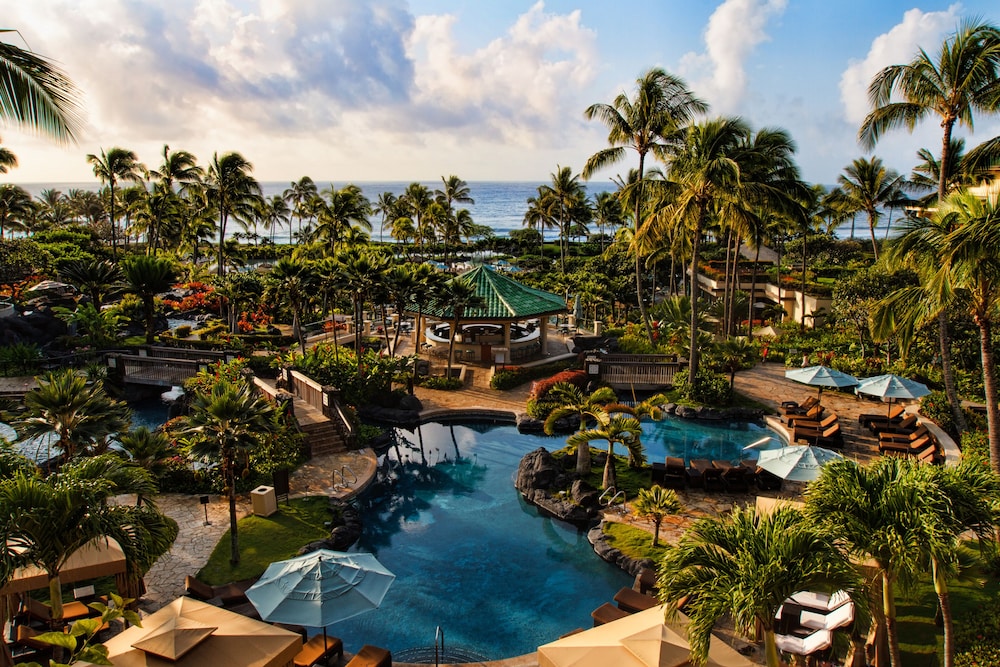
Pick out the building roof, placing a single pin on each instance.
(504, 299)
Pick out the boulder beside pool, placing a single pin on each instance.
(544, 483)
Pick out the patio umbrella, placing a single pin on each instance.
(892, 387)
(796, 463)
(320, 588)
(822, 377)
(767, 332)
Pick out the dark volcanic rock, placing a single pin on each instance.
(345, 529)
(543, 483)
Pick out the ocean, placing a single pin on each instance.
(500, 205)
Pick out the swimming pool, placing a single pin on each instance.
(472, 557)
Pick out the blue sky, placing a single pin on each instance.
(345, 90)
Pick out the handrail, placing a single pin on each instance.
(613, 501)
(343, 477)
(438, 634)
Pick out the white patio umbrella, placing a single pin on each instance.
(892, 388)
(320, 588)
(822, 377)
(796, 463)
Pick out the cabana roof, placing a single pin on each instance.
(504, 299)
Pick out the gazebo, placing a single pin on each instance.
(508, 327)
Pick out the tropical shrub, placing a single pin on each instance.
(975, 441)
(710, 388)
(513, 377)
(443, 383)
(20, 359)
(183, 331)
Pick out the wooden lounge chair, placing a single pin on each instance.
(830, 436)
(371, 656)
(894, 415)
(904, 447)
(676, 474)
(28, 649)
(906, 425)
(711, 479)
(812, 414)
(818, 425)
(315, 651)
(793, 408)
(928, 455)
(645, 581)
(38, 612)
(910, 436)
(736, 479)
(633, 601)
(696, 472)
(228, 594)
(606, 613)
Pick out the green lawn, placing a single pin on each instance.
(266, 540)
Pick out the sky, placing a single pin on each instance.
(389, 90)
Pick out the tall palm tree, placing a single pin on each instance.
(454, 189)
(646, 123)
(16, 208)
(226, 424)
(342, 210)
(415, 201)
(233, 192)
(571, 400)
(745, 565)
(386, 206)
(608, 213)
(360, 271)
(954, 85)
(540, 215)
(274, 213)
(723, 173)
(566, 198)
(616, 429)
(147, 276)
(37, 95)
(149, 450)
(298, 195)
(178, 168)
(78, 415)
(111, 167)
(868, 186)
(8, 160)
(879, 512)
(970, 265)
(293, 283)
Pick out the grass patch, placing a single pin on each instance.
(264, 540)
(633, 542)
(630, 480)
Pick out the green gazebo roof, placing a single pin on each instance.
(504, 299)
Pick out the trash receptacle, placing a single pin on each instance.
(264, 501)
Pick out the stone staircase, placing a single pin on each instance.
(323, 438)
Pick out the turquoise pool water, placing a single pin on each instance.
(472, 557)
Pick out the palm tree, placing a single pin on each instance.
(571, 400)
(293, 282)
(958, 83)
(233, 192)
(80, 416)
(656, 503)
(180, 167)
(566, 198)
(868, 185)
(460, 296)
(734, 354)
(226, 424)
(37, 94)
(16, 208)
(646, 124)
(360, 271)
(98, 279)
(745, 565)
(146, 277)
(149, 450)
(617, 429)
(7, 160)
(880, 513)
(414, 202)
(970, 265)
(386, 206)
(608, 213)
(454, 189)
(298, 195)
(111, 166)
(274, 213)
(344, 209)
(539, 215)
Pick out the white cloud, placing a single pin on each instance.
(735, 28)
(898, 45)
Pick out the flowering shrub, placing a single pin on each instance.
(542, 387)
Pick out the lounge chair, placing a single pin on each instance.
(319, 648)
(909, 436)
(675, 475)
(818, 425)
(828, 436)
(696, 472)
(894, 415)
(606, 613)
(904, 447)
(27, 648)
(711, 479)
(928, 454)
(371, 656)
(228, 594)
(38, 612)
(736, 479)
(793, 408)
(645, 581)
(906, 425)
(633, 601)
(812, 414)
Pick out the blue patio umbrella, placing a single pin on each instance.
(320, 588)
(822, 377)
(796, 463)
(892, 387)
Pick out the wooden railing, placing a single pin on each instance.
(639, 371)
(159, 371)
(323, 398)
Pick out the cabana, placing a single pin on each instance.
(508, 327)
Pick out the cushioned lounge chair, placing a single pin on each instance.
(793, 408)
(229, 594)
(910, 436)
(34, 611)
(830, 436)
(894, 415)
(928, 454)
(606, 613)
(905, 425)
(737, 479)
(319, 649)
(820, 424)
(905, 447)
(371, 656)
(27, 648)
(633, 601)
(812, 414)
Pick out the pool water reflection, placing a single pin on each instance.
(472, 557)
